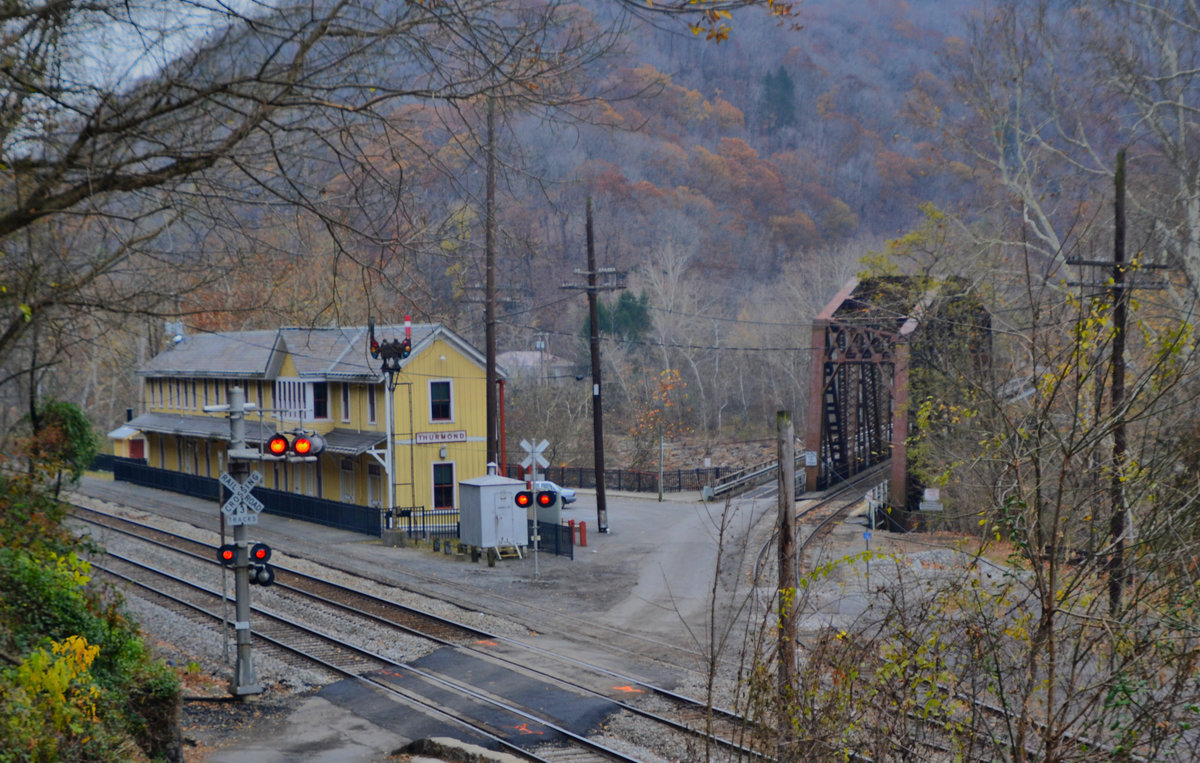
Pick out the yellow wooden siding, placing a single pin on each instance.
(468, 384)
(414, 487)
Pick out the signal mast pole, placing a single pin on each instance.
(245, 681)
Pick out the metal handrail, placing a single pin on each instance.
(754, 475)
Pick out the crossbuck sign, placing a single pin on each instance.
(241, 508)
(535, 454)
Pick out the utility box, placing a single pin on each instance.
(488, 514)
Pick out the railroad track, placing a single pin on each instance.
(617, 642)
(485, 717)
(821, 516)
(678, 714)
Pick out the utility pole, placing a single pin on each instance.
(593, 287)
(1120, 297)
(786, 650)
(489, 247)
(1119, 288)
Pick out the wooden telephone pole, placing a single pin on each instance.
(593, 287)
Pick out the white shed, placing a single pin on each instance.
(488, 514)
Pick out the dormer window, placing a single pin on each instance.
(302, 401)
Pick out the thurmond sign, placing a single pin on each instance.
(425, 438)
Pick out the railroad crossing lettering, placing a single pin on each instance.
(242, 508)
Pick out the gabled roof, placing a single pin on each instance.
(237, 354)
(339, 353)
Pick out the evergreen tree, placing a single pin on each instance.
(777, 104)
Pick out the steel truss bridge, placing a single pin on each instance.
(864, 344)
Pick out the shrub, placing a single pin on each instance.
(86, 688)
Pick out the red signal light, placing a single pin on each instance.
(524, 499)
(260, 552)
(545, 498)
(227, 554)
(302, 446)
(277, 445)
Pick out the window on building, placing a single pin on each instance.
(440, 408)
(371, 403)
(345, 402)
(443, 486)
(204, 384)
(320, 398)
(292, 400)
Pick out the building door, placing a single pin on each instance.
(443, 486)
(137, 448)
(349, 493)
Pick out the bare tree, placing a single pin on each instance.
(1052, 90)
(147, 147)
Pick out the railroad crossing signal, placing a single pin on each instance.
(241, 508)
(258, 571)
(524, 499)
(301, 444)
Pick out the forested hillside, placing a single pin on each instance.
(736, 183)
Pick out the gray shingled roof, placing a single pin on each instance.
(318, 353)
(208, 427)
(240, 354)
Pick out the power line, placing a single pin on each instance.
(669, 345)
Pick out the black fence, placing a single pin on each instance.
(673, 480)
(556, 539)
(343, 516)
(417, 523)
(104, 462)
(413, 521)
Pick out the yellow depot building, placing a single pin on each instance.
(324, 381)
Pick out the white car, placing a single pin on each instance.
(565, 493)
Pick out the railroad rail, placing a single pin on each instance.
(719, 727)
